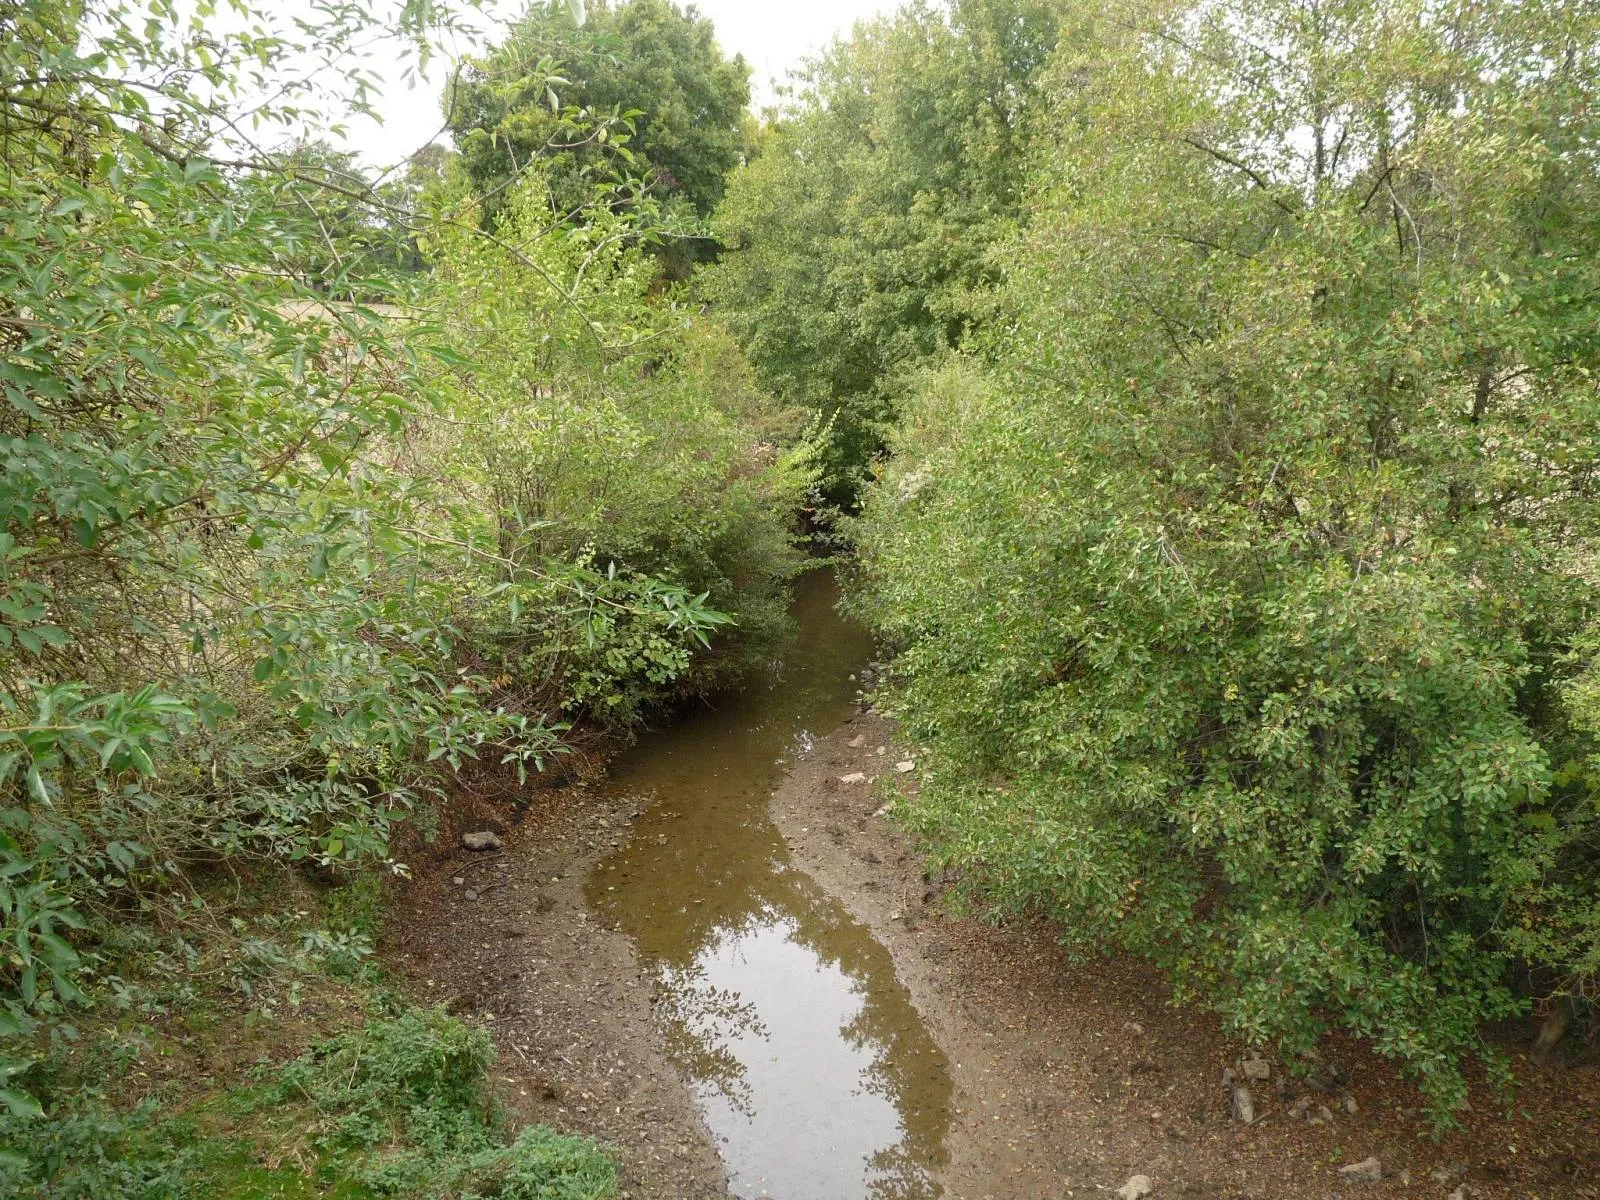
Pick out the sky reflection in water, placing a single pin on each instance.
(811, 1067)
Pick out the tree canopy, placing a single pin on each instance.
(858, 238)
(641, 88)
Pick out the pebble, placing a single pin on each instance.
(1256, 1070)
(1350, 1105)
(484, 839)
(905, 768)
(858, 741)
(1244, 1106)
(853, 777)
(1368, 1170)
(1137, 1187)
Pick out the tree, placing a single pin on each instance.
(244, 612)
(1246, 576)
(640, 87)
(858, 239)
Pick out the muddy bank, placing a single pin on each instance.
(1071, 1078)
(564, 995)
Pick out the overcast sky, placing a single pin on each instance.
(773, 35)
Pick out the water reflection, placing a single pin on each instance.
(810, 1065)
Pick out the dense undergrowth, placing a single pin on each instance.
(1240, 526)
(317, 489)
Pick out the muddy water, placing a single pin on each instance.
(811, 1068)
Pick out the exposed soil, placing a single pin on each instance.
(515, 946)
(1069, 1078)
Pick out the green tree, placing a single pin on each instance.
(640, 87)
(858, 239)
(243, 613)
(1247, 577)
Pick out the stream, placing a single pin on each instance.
(809, 1064)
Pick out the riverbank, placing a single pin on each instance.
(507, 939)
(1071, 1078)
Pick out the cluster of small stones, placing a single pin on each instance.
(1242, 1080)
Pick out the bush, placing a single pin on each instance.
(272, 567)
(398, 1107)
(1246, 582)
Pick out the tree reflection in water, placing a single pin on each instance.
(810, 1064)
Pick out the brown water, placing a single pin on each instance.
(811, 1068)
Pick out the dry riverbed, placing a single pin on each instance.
(1069, 1079)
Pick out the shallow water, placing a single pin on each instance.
(811, 1067)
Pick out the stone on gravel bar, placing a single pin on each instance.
(853, 777)
(1244, 1106)
(1137, 1186)
(1368, 1170)
(484, 839)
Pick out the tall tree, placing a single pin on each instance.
(640, 87)
(858, 239)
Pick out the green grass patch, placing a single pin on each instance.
(396, 1107)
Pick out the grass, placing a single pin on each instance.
(317, 1081)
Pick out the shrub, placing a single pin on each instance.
(1244, 582)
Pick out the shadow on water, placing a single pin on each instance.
(811, 1067)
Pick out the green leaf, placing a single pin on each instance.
(36, 785)
(449, 357)
(20, 1104)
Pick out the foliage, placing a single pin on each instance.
(858, 238)
(402, 1097)
(638, 87)
(243, 612)
(1247, 579)
(346, 227)
(611, 426)
(396, 1107)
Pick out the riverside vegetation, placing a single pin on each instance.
(294, 532)
(1239, 531)
(1206, 388)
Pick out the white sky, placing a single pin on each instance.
(773, 37)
